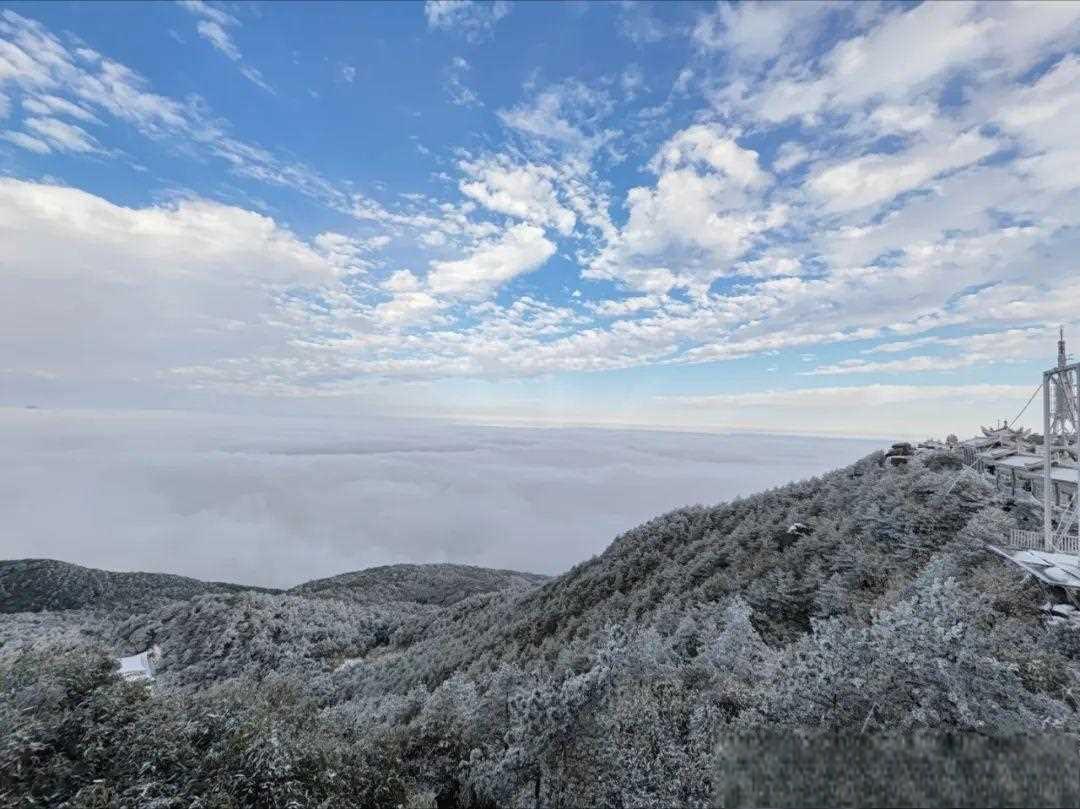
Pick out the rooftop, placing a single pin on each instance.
(1059, 569)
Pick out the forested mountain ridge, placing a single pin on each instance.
(31, 585)
(209, 631)
(438, 585)
(797, 630)
(841, 543)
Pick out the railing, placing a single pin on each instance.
(1025, 540)
(1070, 543)
(1033, 541)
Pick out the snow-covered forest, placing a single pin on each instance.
(844, 640)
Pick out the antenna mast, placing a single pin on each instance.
(1061, 439)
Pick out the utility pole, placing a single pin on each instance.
(1048, 459)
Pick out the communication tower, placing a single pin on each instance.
(1061, 453)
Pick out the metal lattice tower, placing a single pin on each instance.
(1061, 445)
(1063, 418)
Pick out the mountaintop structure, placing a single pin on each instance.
(1040, 476)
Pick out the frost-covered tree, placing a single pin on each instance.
(926, 661)
(833, 597)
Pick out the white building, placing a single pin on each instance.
(140, 666)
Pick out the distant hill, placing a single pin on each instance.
(32, 585)
(215, 636)
(439, 585)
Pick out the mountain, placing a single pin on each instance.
(313, 631)
(32, 585)
(439, 585)
(853, 617)
(208, 631)
(841, 544)
(213, 637)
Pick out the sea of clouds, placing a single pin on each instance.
(276, 501)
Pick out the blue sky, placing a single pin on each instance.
(839, 218)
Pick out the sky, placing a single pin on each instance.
(836, 218)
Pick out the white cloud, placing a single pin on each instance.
(35, 61)
(473, 20)
(632, 81)
(778, 250)
(212, 29)
(273, 501)
(626, 306)
(409, 302)
(637, 23)
(26, 141)
(62, 136)
(908, 51)
(989, 348)
(709, 146)
(49, 105)
(770, 265)
(895, 59)
(349, 254)
(1010, 344)
(205, 231)
(704, 211)
(523, 191)
(213, 33)
(933, 38)
(1045, 295)
(961, 203)
(790, 155)
(543, 119)
(569, 116)
(103, 295)
(459, 92)
(909, 365)
(755, 31)
(521, 249)
(890, 411)
(903, 118)
(432, 238)
(1045, 115)
(897, 346)
(407, 307)
(877, 178)
(211, 13)
(433, 223)
(854, 396)
(682, 81)
(402, 281)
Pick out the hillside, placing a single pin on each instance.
(439, 585)
(866, 533)
(856, 616)
(213, 637)
(32, 585)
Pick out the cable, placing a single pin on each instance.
(1025, 407)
